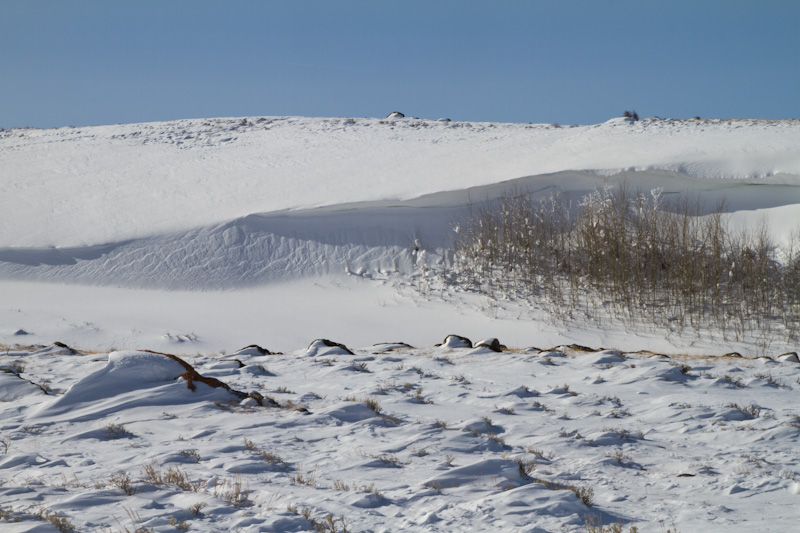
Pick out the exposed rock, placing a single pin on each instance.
(57, 348)
(577, 348)
(383, 347)
(327, 347)
(253, 349)
(62, 345)
(491, 343)
(456, 341)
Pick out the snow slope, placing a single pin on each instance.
(253, 206)
(131, 181)
(202, 236)
(261, 208)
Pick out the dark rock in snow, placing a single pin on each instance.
(456, 341)
(383, 347)
(580, 348)
(254, 349)
(491, 343)
(320, 346)
(58, 348)
(62, 345)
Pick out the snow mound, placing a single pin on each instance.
(57, 348)
(349, 411)
(322, 347)
(143, 367)
(502, 473)
(605, 357)
(254, 350)
(131, 379)
(456, 341)
(492, 344)
(384, 347)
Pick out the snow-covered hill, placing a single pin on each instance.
(202, 236)
(256, 203)
(97, 185)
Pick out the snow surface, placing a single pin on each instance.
(203, 236)
(396, 438)
(264, 210)
(76, 187)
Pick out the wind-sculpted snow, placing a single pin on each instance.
(395, 438)
(278, 230)
(255, 249)
(129, 379)
(381, 236)
(269, 226)
(73, 187)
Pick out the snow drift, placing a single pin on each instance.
(262, 203)
(225, 203)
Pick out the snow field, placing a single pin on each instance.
(190, 237)
(391, 437)
(139, 180)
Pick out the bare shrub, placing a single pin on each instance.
(750, 411)
(58, 520)
(340, 485)
(124, 483)
(173, 476)
(595, 525)
(197, 508)
(585, 494)
(373, 404)
(299, 478)
(526, 466)
(117, 431)
(235, 491)
(191, 454)
(675, 264)
(180, 525)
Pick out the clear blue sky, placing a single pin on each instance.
(85, 62)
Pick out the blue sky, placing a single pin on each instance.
(88, 62)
